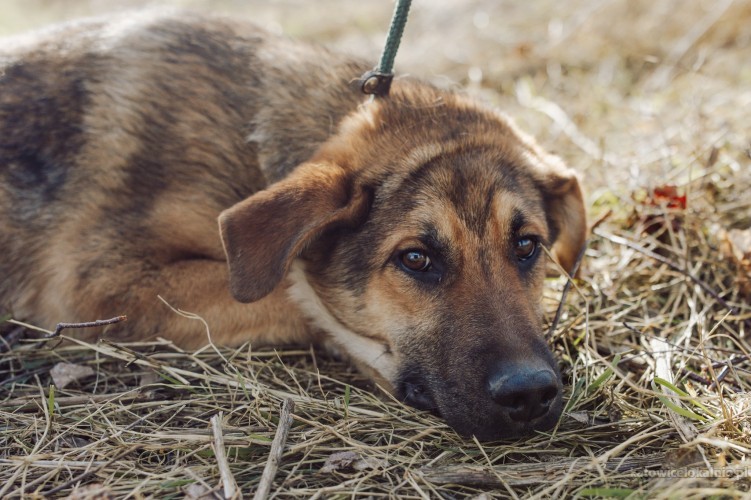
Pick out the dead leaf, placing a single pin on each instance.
(64, 374)
(668, 197)
(197, 491)
(148, 378)
(580, 416)
(350, 461)
(659, 208)
(482, 496)
(584, 417)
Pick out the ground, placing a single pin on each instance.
(650, 102)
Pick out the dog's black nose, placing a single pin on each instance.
(525, 394)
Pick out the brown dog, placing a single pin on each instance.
(406, 231)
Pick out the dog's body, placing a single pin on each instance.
(405, 231)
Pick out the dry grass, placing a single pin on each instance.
(636, 94)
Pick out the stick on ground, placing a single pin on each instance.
(277, 446)
(89, 324)
(228, 480)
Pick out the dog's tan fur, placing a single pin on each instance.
(122, 142)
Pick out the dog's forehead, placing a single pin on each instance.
(480, 186)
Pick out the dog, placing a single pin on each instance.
(406, 231)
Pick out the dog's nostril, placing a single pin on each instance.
(524, 395)
(515, 403)
(549, 395)
(415, 394)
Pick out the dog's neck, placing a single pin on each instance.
(369, 355)
(312, 84)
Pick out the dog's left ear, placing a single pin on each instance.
(263, 234)
(564, 207)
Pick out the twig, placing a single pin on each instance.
(575, 269)
(732, 361)
(277, 446)
(32, 402)
(618, 240)
(89, 324)
(566, 289)
(228, 480)
(720, 376)
(685, 372)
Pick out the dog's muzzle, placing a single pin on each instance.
(515, 399)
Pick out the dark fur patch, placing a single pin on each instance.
(41, 112)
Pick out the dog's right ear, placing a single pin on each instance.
(566, 214)
(564, 207)
(263, 234)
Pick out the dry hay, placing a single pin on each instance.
(139, 424)
(653, 338)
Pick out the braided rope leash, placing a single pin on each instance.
(377, 82)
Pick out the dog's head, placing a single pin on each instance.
(414, 239)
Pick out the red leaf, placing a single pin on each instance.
(668, 196)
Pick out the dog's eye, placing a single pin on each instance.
(526, 247)
(416, 261)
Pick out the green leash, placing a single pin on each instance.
(377, 82)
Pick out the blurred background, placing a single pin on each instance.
(630, 92)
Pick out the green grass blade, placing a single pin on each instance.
(605, 375)
(684, 412)
(51, 400)
(682, 393)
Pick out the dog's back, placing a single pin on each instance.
(121, 142)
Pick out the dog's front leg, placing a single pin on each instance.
(196, 286)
